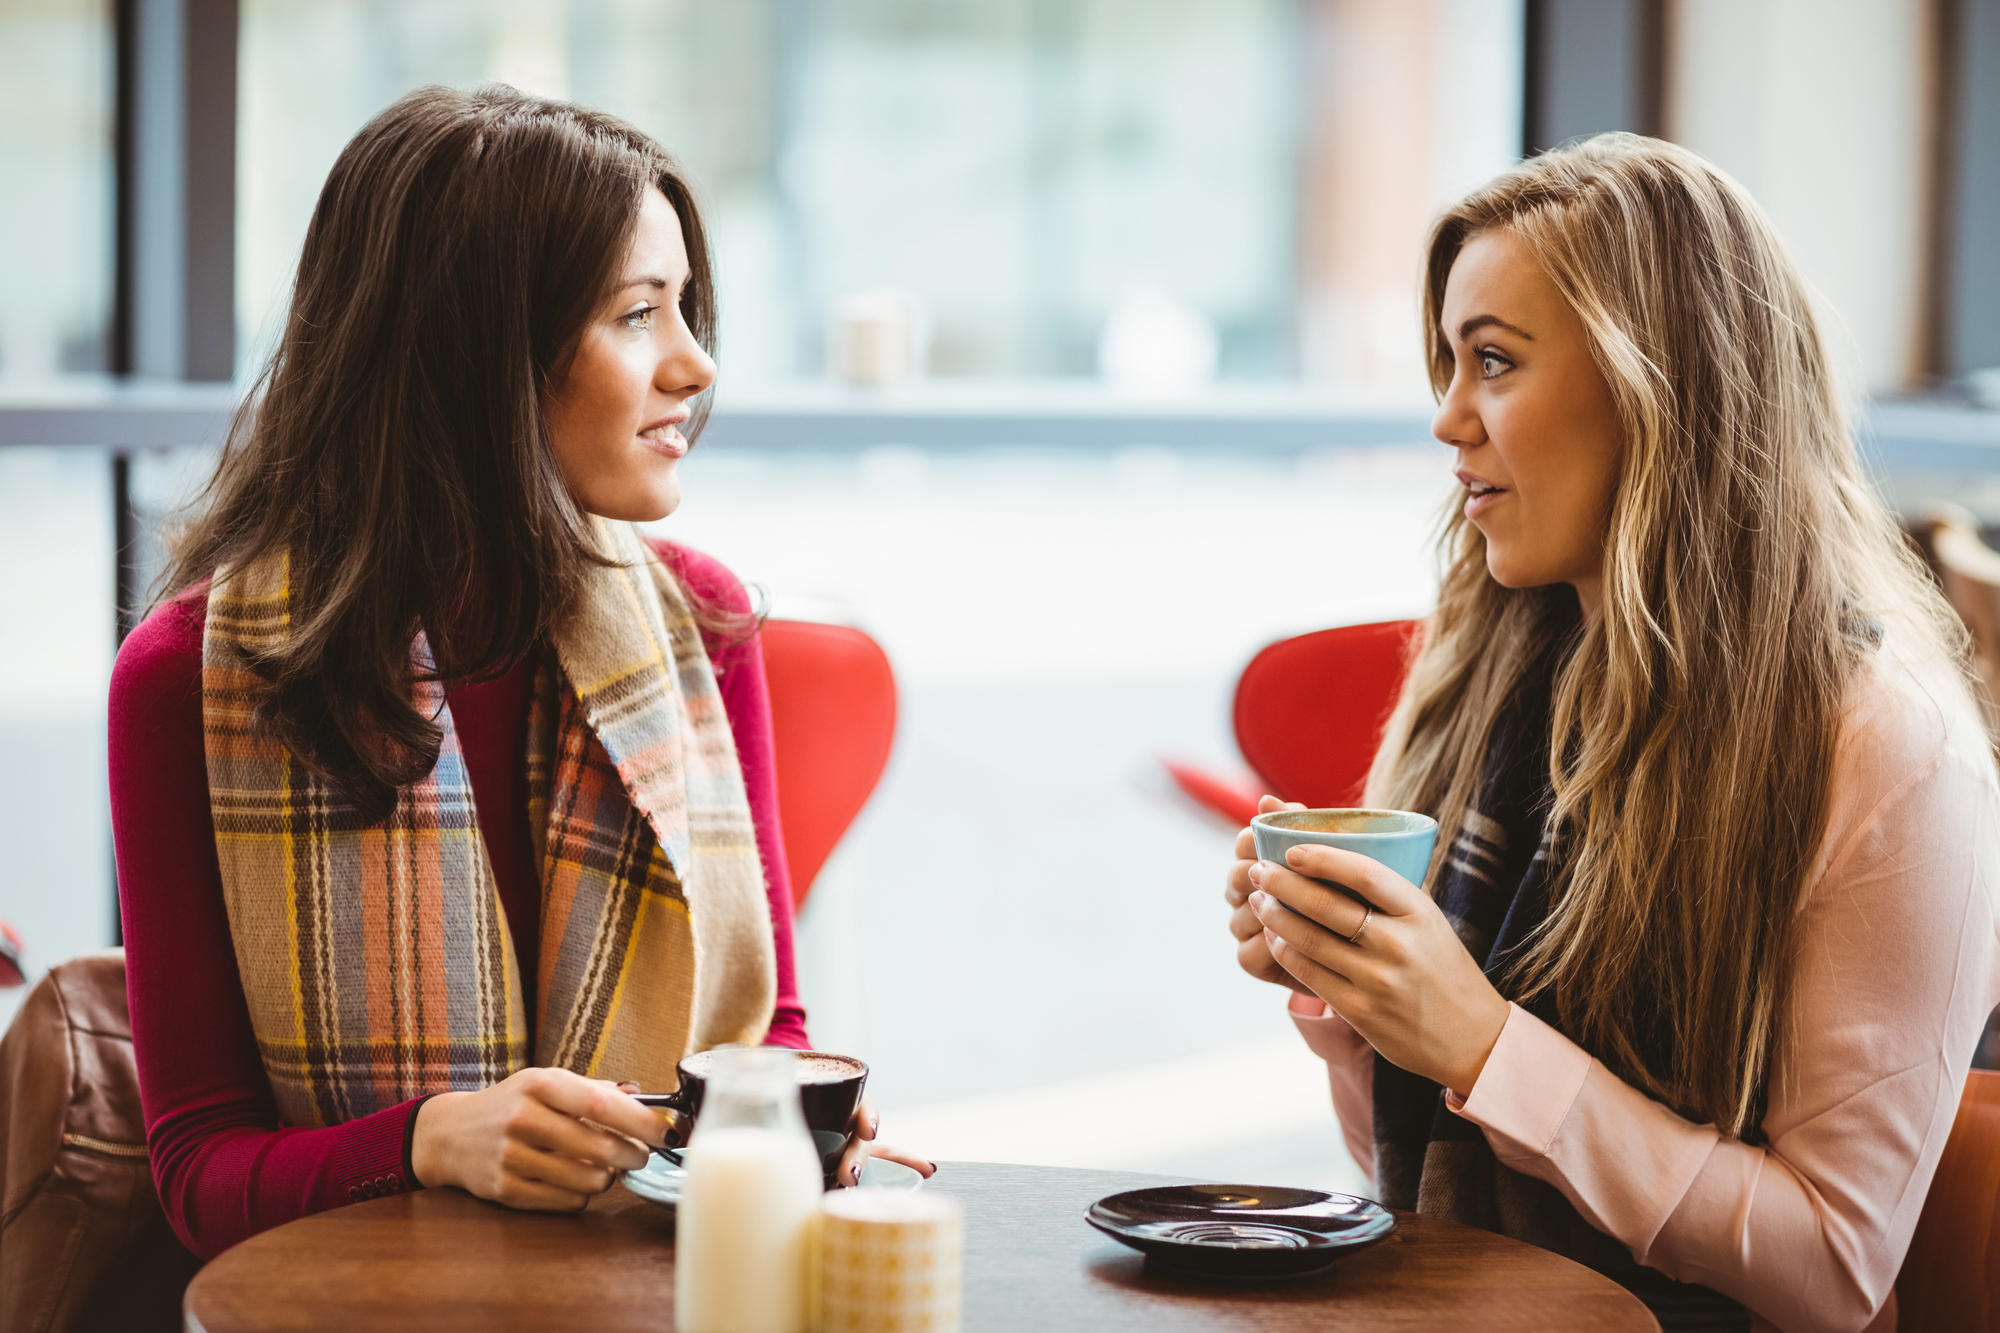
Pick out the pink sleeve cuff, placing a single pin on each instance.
(1327, 1034)
(1307, 1006)
(1350, 1072)
(1530, 1082)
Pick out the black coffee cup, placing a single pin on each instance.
(830, 1088)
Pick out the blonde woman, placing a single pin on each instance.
(1699, 965)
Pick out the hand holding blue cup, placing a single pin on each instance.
(1399, 839)
(1408, 988)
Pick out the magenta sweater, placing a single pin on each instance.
(224, 1167)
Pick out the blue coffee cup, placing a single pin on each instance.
(1399, 839)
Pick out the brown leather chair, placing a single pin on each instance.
(1950, 1281)
(83, 1243)
(1969, 571)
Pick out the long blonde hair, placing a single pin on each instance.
(1749, 569)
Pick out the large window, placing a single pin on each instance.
(55, 518)
(55, 187)
(1023, 169)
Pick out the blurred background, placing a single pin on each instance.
(1068, 346)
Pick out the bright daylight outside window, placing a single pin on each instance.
(1038, 185)
(55, 227)
(55, 520)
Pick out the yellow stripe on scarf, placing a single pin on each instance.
(656, 936)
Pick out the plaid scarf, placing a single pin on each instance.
(376, 959)
(1496, 885)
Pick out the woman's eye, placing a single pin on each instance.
(1492, 364)
(641, 318)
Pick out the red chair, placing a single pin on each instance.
(833, 719)
(1309, 714)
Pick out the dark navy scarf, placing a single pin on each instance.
(1495, 885)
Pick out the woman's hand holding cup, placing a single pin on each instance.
(1336, 922)
(1253, 950)
(1383, 955)
(525, 1143)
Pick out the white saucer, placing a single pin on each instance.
(659, 1181)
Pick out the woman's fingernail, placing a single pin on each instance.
(1258, 898)
(1256, 872)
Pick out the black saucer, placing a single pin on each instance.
(1241, 1230)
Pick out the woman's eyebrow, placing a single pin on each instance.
(656, 282)
(1477, 322)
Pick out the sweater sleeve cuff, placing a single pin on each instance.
(370, 1160)
(788, 1028)
(1525, 1092)
(409, 1140)
(1327, 1034)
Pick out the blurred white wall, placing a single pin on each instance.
(1820, 109)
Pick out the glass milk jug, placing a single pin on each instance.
(744, 1224)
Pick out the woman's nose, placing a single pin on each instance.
(687, 368)
(1456, 423)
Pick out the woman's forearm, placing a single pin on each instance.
(224, 1173)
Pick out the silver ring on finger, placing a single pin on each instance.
(1366, 916)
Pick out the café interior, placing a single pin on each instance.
(1072, 433)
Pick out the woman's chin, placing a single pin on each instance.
(647, 504)
(1503, 571)
(1515, 574)
(666, 503)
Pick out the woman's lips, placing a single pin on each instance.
(1484, 494)
(1480, 501)
(665, 439)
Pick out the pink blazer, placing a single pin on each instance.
(1896, 976)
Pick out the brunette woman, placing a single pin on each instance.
(1691, 988)
(444, 801)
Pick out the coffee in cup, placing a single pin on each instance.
(1399, 839)
(830, 1088)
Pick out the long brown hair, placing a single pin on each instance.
(1749, 571)
(395, 445)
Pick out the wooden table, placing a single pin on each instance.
(440, 1259)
